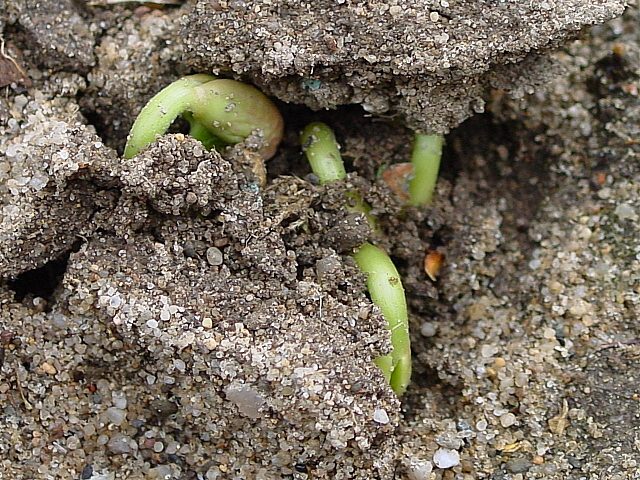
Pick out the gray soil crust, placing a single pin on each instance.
(172, 316)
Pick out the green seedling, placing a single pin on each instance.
(321, 148)
(219, 111)
(425, 159)
(415, 182)
(323, 154)
(383, 280)
(385, 288)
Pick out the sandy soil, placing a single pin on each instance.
(166, 317)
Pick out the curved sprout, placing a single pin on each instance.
(160, 112)
(219, 111)
(383, 280)
(201, 133)
(385, 288)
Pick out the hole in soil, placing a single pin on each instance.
(300, 272)
(427, 389)
(440, 237)
(505, 165)
(99, 123)
(42, 281)
(401, 264)
(26, 363)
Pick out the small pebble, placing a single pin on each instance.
(172, 448)
(119, 399)
(518, 465)
(419, 469)
(214, 256)
(445, 458)
(48, 368)
(449, 440)
(212, 474)
(380, 416)
(116, 415)
(119, 444)
(428, 329)
(522, 379)
(604, 193)
(89, 430)
(488, 351)
(246, 399)
(624, 211)
(507, 420)
(152, 323)
(160, 472)
(179, 365)
(87, 472)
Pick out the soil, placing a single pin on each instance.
(169, 316)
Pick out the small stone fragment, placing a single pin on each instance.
(116, 415)
(160, 472)
(507, 420)
(518, 465)
(449, 440)
(380, 416)
(119, 399)
(246, 399)
(538, 460)
(428, 329)
(624, 211)
(87, 472)
(119, 444)
(419, 469)
(48, 368)
(445, 458)
(214, 256)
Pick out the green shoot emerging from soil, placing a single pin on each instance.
(414, 183)
(320, 146)
(385, 288)
(425, 158)
(219, 111)
(383, 280)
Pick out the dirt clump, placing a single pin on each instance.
(432, 63)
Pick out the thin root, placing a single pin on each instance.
(11, 59)
(27, 405)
